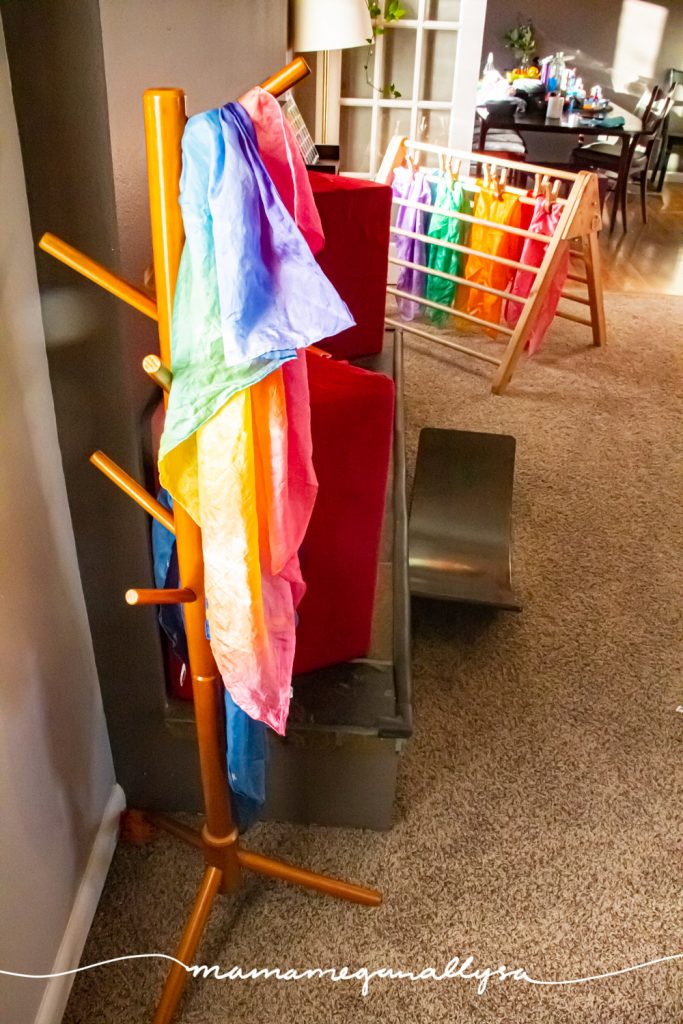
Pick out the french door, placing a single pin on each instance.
(432, 57)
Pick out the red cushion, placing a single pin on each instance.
(355, 217)
(352, 415)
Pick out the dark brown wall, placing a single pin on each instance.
(78, 70)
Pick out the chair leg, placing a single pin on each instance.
(643, 194)
(663, 162)
(624, 198)
(615, 207)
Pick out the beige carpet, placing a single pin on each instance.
(539, 810)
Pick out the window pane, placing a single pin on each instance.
(392, 121)
(354, 139)
(433, 127)
(442, 10)
(399, 60)
(354, 83)
(438, 64)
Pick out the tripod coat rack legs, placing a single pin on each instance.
(225, 859)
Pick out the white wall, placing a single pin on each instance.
(56, 774)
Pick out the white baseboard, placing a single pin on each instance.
(54, 1001)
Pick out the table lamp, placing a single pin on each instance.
(324, 25)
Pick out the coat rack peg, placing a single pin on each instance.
(314, 350)
(286, 77)
(133, 489)
(100, 275)
(158, 371)
(152, 596)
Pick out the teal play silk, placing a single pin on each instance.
(449, 196)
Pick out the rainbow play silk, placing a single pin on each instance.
(249, 293)
(284, 163)
(503, 209)
(544, 221)
(449, 197)
(245, 471)
(415, 188)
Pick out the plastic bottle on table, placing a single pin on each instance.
(555, 71)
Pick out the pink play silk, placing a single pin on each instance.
(543, 222)
(284, 163)
(257, 486)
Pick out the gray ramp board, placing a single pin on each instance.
(460, 518)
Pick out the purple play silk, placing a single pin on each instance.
(414, 187)
(273, 295)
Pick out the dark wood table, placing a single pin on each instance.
(570, 124)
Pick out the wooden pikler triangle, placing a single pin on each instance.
(579, 223)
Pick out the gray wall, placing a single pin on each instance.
(78, 72)
(56, 772)
(587, 28)
(214, 50)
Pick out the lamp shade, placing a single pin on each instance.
(328, 24)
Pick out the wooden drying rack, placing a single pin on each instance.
(580, 221)
(224, 856)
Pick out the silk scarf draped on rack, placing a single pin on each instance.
(415, 188)
(449, 196)
(495, 205)
(236, 449)
(544, 221)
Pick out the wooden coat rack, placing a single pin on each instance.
(580, 221)
(224, 856)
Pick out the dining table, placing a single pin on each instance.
(574, 122)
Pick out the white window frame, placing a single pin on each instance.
(470, 32)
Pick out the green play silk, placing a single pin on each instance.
(449, 196)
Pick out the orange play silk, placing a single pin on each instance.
(256, 492)
(506, 210)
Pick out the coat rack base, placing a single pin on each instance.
(225, 860)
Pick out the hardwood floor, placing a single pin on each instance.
(649, 258)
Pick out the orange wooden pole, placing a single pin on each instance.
(164, 113)
(94, 271)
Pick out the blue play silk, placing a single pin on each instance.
(166, 577)
(249, 292)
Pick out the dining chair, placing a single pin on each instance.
(502, 137)
(672, 130)
(652, 108)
